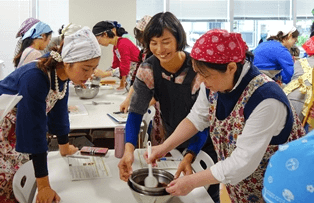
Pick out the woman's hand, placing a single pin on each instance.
(124, 106)
(181, 186)
(98, 73)
(47, 195)
(157, 153)
(185, 166)
(101, 73)
(67, 149)
(125, 164)
(152, 102)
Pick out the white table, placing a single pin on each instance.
(97, 117)
(107, 190)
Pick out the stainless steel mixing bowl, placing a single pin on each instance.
(146, 198)
(138, 176)
(87, 93)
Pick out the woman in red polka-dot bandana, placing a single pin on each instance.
(247, 113)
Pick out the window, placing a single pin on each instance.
(256, 18)
(13, 13)
(199, 16)
(252, 18)
(53, 12)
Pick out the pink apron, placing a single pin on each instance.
(11, 160)
(224, 134)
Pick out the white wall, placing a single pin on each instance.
(90, 12)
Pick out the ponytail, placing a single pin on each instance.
(103, 27)
(280, 37)
(121, 31)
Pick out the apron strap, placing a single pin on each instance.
(21, 62)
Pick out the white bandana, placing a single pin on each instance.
(80, 46)
(285, 29)
(70, 29)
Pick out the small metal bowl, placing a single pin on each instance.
(87, 93)
(137, 181)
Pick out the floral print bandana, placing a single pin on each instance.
(308, 46)
(220, 47)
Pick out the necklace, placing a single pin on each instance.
(60, 95)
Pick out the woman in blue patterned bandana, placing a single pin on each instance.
(44, 86)
(34, 41)
(289, 174)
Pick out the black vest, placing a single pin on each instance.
(176, 100)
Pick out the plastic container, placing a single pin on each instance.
(119, 141)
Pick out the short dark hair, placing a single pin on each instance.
(159, 23)
(106, 27)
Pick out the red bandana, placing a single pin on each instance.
(219, 46)
(308, 46)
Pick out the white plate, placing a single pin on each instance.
(106, 87)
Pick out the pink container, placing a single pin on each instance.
(119, 141)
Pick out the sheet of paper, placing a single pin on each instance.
(120, 118)
(7, 103)
(160, 164)
(88, 167)
(77, 110)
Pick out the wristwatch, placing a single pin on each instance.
(188, 151)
